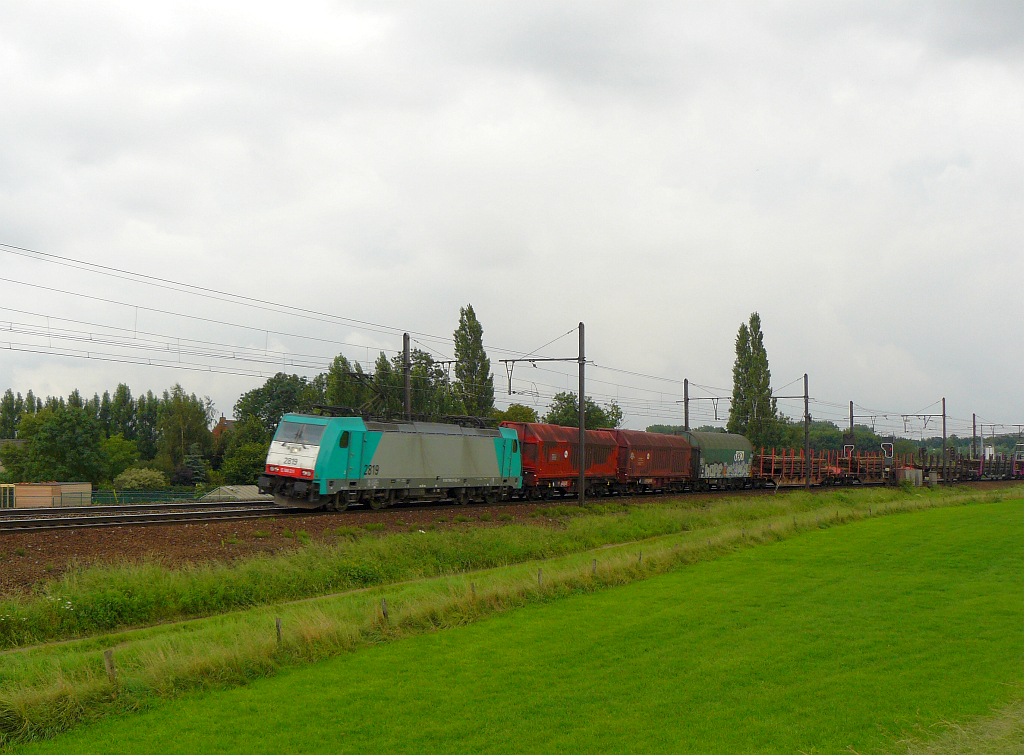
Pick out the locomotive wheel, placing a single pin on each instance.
(340, 502)
(462, 496)
(382, 501)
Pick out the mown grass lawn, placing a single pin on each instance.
(850, 637)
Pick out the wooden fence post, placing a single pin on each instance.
(540, 577)
(593, 567)
(384, 608)
(108, 664)
(278, 623)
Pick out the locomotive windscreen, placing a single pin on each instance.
(299, 432)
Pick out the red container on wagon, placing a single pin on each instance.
(550, 455)
(654, 461)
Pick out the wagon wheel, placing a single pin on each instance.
(380, 501)
(461, 496)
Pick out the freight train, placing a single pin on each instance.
(333, 462)
(319, 461)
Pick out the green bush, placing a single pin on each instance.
(141, 479)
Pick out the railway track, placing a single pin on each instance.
(21, 520)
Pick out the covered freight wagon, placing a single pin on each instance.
(724, 458)
(550, 458)
(654, 461)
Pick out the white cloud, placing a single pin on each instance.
(658, 170)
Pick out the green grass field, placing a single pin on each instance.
(842, 639)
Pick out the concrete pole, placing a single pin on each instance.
(407, 369)
(807, 437)
(686, 404)
(945, 461)
(582, 484)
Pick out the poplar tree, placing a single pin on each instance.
(9, 415)
(753, 411)
(474, 383)
(122, 412)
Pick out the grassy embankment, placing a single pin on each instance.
(47, 689)
(844, 640)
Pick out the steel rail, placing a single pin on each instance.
(143, 519)
(130, 507)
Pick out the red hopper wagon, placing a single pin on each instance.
(550, 455)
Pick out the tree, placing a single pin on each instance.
(120, 453)
(64, 444)
(9, 414)
(12, 459)
(147, 417)
(341, 387)
(753, 411)
(564, 410)
(474, 383)
(279, 395)
(432, 394)
(246, 455)
(244, 463)
(141, 479)
(184, 421)
(103, 413)
(516, 413)
(122, 412)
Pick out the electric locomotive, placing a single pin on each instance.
(331, 462)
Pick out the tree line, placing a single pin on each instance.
(100, 438)
(154, 440)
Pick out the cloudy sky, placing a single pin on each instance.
(658, 170)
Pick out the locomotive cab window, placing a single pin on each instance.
(300, 433)
(343, 443)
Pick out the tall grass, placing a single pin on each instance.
(104, 598)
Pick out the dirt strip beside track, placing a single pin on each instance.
(28, 559)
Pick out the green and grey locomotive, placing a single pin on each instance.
(332, 462)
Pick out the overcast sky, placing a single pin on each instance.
(658, 170)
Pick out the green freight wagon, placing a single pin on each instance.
(724, 458)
